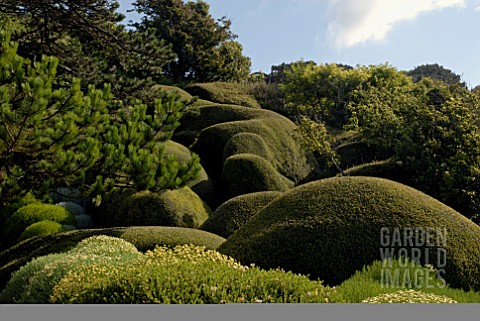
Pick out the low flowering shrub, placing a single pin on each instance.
(184, 275)
(409, 296)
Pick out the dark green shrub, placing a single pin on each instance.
(185, 275)
(144, 238)
(234, 213)
(248, 143)
(41, 228)
(249, 173)
(225, 93)
(358, 152)
(33, 213)
(331, 228)
(180, 207)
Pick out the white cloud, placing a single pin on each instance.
(352, 22)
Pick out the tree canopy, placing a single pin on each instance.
(206, 48)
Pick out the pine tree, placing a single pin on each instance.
(52, 137)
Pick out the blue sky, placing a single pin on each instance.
(404, 33)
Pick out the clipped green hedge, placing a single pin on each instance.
(331, 228)
(249, 173)
(144, 238)
(216, 114)
(41, 228)
(388, 168)
(180, 207)
(225, 93)
(248, 143)
(33, 213)
(289, 159)
(235, 212)
(180, 92)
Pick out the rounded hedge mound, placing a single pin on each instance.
(33, 213)
(182, 94)
(42, 228)
(180, 207)
(216, 114)
(236, 212)
(225, 93)
(333, 227)
(143, 238)
(249, 173)
(288, 157)
(184, 155)
(248, 143)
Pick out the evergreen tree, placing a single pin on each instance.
(52, 137)
(205, 47)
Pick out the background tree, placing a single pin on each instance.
(437, 72)
(90, 43)
(206, 48)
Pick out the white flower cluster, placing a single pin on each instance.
(409, 296)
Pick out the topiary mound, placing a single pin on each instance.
(288, 158)
(144, 238)
(221, 131)
(249, 173)
(331, 228)
(234, 213)
(182, 94)
(180, 207)
(202, 185)
(248, 143)
(225, 93)
(41, 228)
(33, 213)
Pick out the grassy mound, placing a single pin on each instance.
(236, 212)
(42, 228)
(225, 93)
(33, 213)
(375, 281)
(249, 173)
(180, 207)
(144, 238)
(331, 228)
